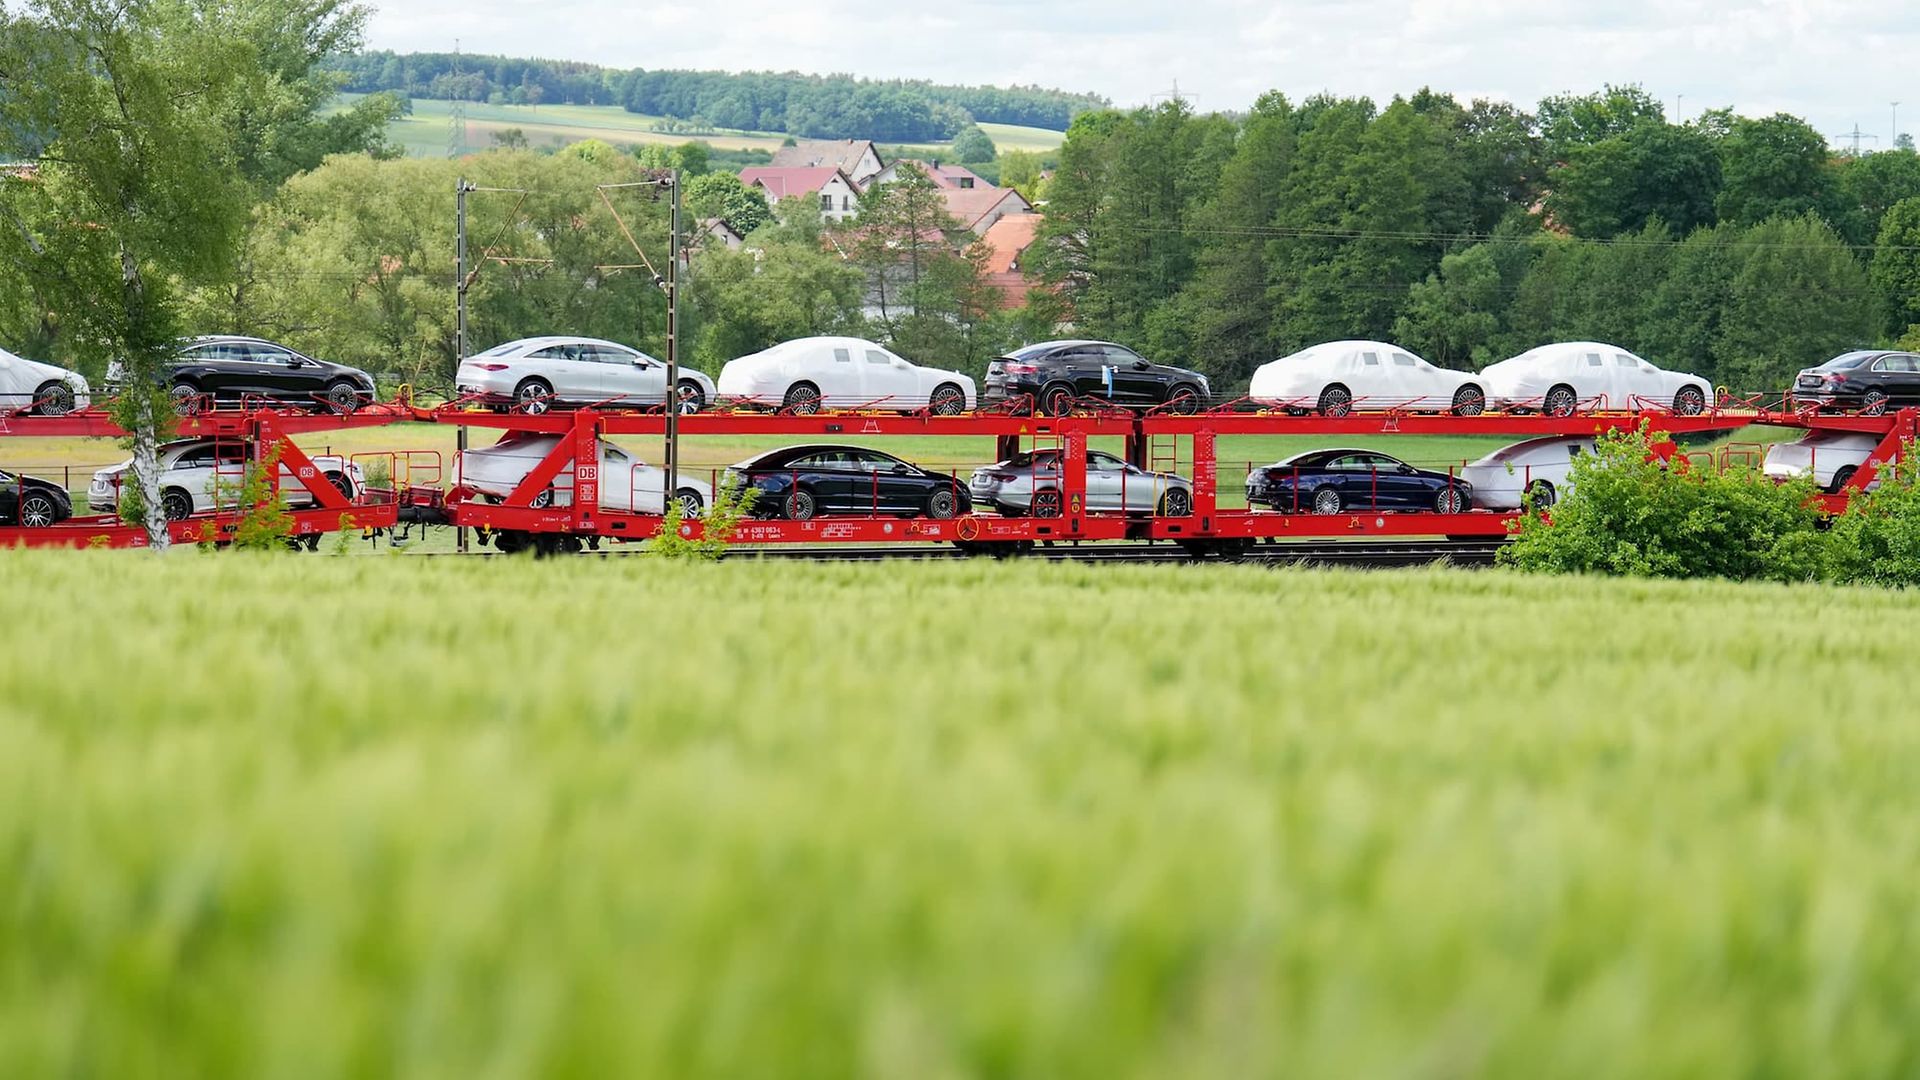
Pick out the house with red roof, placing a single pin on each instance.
(839, 196)
(1007, 241)
(978, 208)
(858, 158)
(946, 176)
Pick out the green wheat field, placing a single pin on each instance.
(318, 817)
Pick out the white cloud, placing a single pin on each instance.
(1833, 61)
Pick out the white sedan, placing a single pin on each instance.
(626, 483)
(1830, 457)
(201, 475)
(1559, 379)
(1341, 376)
(539, 372)
(31, 386)
(1502, 479)
(809, 374)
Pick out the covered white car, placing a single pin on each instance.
(33, 387)
(1831, 457)
(1562, 378)
(198, 476)
(626, 483)
(1502, 479)
(537, 373)
(810, 374)
(1338, 377)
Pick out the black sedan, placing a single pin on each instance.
(231, 371)
(804, 482)
(34, 503)
(1054, 373)
(1338, 481)
(1869, 382)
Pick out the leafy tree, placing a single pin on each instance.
(722, 195)
(1619, 183)
(695, 158)
(1453, 316)
(1679, 324)
(149, 122)
(510, 139)
(900, 235)
(1869, 185)
(1772, 167)
(1020, 170)
(1896, 265)
(1570, 121)
(1226, 302)
(971, 146)
(1797, 297)
(791, 286)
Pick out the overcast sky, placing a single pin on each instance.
(1835, 62)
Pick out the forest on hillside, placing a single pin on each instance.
(808, 106)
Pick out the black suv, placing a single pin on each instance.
(232, 371)
(1867, 381)
(1057, 372)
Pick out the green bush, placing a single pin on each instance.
(731, 504)
(1877, 541)
(1628, 512)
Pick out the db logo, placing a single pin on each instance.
(587, 472)
(306, 472)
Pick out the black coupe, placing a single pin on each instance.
(34, 503)
(1870, 382)
(229, 371)
(1054, 373)
(1338, 481)
(804, 482)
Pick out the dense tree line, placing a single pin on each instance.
(1740, 248)
(809, 106)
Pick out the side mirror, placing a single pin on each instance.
(640, 362)
(901, 470)
(1140, 365)
(1406, 470)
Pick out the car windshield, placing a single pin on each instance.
(1844, 361)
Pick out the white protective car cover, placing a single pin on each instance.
(21, 380)
(848, 372)
(1602, 376)
(1500, 479)
(1822, 453)
(1377, 374)
(626, 483)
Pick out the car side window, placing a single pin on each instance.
(1370, 359)
(1105, 462)
(1623, 360)
(551, 352)
(1119, 354)
(197, 458)
(1401, 359)
(1594, 360)
(1896, 364)
(843, 356)
(876, 357)
(267, 354)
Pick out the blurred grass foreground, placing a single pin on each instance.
(595, 818)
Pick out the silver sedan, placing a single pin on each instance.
(1030, 483)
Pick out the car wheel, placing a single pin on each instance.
(1046, 504)
(542, 500)
(1448, 501)
(1469, 400)
(1177, 502)
(1874, 403)
(1336, 400)
(533, 396)
(343, 397)
(186, 399)
(342, 483)
(53, 399)
(1540, 495)
(1183, 401)
(176, 504)
(1326, 501)
(1689, 402)
(691, 504)
(1840, 477)
(947, 400)
(692, 398)
(38, 510)
(1056, 400)
(803, 399)
(799, 505)
(1560, 401)
(941, 504)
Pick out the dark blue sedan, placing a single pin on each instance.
(1338, 481)
(803, 482)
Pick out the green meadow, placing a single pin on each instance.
(307, 816)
